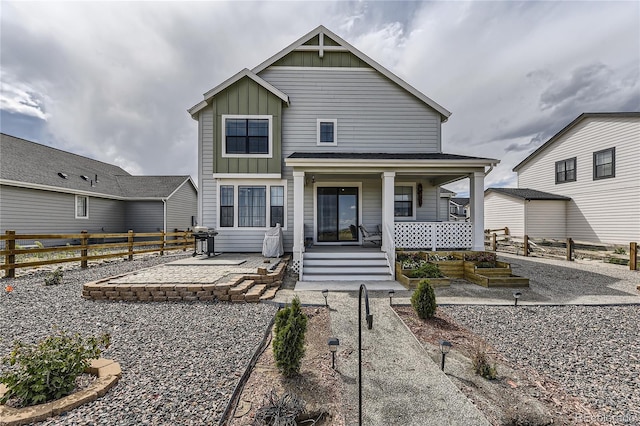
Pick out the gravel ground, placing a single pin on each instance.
(592, 351)
(180, 361)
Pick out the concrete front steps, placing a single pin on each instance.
(342, 265)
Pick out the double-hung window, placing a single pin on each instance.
(251, 205)
(82, 207)
(604, 164)
(327, 131)
(403, 202)
(246, 136)
(566, 170)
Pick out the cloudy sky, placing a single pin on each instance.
(113, 80)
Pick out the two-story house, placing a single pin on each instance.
(330, 144)
(582, 183)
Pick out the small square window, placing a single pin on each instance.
(327, 130)
(604, 164)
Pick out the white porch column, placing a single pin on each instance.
(476, 202)
(388, 191)
(298, 214)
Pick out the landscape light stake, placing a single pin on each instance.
(334, 342)
(369, 326)
(445, 347)
(516, 296)
(391, 293)
(325, 293)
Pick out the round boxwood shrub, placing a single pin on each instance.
(288, 343)
(423, 300)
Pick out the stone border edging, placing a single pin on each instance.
(108, 373)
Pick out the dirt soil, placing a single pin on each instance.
(515, 397)
(318, 384)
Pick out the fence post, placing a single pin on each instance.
(633, 256)
(130, 241)
(162, 243)
(83, 249)
(10, 259)
(526, 245)
(186, 242)
(506, 231)
(494, 241)
(569, 249)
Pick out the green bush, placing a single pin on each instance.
(481, 364)
(288, 344)
(427, 270)
(47, 370)
(54, 278)
(423, 300)
(620, 250)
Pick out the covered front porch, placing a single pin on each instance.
(339, 198)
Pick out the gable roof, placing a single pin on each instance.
(321, 31)
(29, 164)
(228, 82)
(527, 194)
(570, 126)
(461, 201)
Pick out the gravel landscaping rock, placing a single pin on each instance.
(180, 361)
(592, 351)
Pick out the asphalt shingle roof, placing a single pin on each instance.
(461, 201)
(528, 194)
(382, 156)
(33, 163)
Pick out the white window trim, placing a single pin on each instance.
(335, 131)
(413, 204)
(75, 207)
(223, 136)
(250, 182)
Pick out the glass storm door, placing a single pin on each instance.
(337, 214)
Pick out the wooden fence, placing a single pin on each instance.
(127, 245)
(494, 237)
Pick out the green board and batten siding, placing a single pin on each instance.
(246, 97)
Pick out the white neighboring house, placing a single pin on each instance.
(593, 163)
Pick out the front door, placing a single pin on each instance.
(337, 214)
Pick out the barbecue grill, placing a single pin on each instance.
(203, 240)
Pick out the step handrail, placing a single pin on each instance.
(369, 318)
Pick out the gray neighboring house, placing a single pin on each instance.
(47, 190)
(459, 209)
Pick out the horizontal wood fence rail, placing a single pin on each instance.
(127, 246)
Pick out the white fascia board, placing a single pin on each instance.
(392, 164)
(59, 189)
(194, 110)
(373, 64)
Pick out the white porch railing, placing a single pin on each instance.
(433, 235)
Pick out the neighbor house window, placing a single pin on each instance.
(604, 164)
(566, 170)
(277, 205)
(82, 207)
(226, 206)
(403, 202)
(246, 136)
(327, 130)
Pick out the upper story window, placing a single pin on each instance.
(566, 170)
(403, 202)
(604, 164)
(327, 130)
(82, 207)
(247, 136)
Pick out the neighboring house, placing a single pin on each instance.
(582, 183)
(459, 209)
(46, 190)
(322, 139)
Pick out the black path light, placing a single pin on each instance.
(516, 296)
(391, 293)
(445, 347)
(325, 293)
(369, 326)
(334, 342)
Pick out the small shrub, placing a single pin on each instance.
(427, 270)
(423, 300)
(485, 265)
(288, 344)
(280, 410)
(54, 278)
(481, 257)
(620, 250)
(47, 370)
(481, 364)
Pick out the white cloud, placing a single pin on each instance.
(19, 98)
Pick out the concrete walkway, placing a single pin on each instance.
(401, 384)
